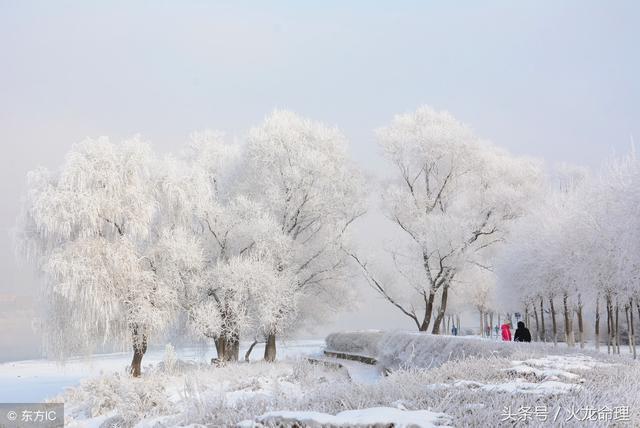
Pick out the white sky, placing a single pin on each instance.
(557, 80)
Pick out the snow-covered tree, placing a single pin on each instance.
(616, 229)
(244, 252)
(300, 172)
(579, 249)
(91, 229)
(477, 288)
(452, 197)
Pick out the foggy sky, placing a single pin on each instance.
(554, 80)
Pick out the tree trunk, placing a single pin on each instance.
(486, 323)
(228, 347)
(568, 322)
(626, 315)
(565, 314)
(542, 331)
(638, 307)
(535, 316)
(219, 341)
(572, 334)
(248, 353)
(232, 347)
(597, 326)
(632, 334)
(441, 311)
(617, 333)
(490, 323)
(428, 310)
(580, 327)
(481, 323)
(554, 326)
(609, 325)
(270, 348)
(139, 349)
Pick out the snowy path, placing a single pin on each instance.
(36, 380)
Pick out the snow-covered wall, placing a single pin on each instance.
(355, 342)
(400, 349)
(405, 350)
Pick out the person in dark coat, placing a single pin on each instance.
(522, 333)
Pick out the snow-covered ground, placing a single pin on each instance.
(36, 380)
(478, 384)
(376, 416)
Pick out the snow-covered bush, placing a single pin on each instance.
(127, 398)
(170, 359)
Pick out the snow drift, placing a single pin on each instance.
(398, 349)
(355, 342)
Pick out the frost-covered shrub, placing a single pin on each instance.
(355, 342)
(170, 359)
(99, 395)
(128, 398)
(143, 400)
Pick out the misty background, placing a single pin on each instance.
(553, 80)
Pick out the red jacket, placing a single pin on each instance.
(506, 332)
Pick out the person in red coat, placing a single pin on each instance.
(506, 332)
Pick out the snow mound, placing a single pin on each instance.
(358, 372)
(546, 373)
(547, 387)
(554, 367)
(420, 350)
(374, 416)
(565, 362)
(541, 376)
(355, 342)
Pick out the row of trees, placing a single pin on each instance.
(236, 240)
(576, 256)
(253, 239)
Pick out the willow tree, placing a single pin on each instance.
(91, 230)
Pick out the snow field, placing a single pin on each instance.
(470, 391)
